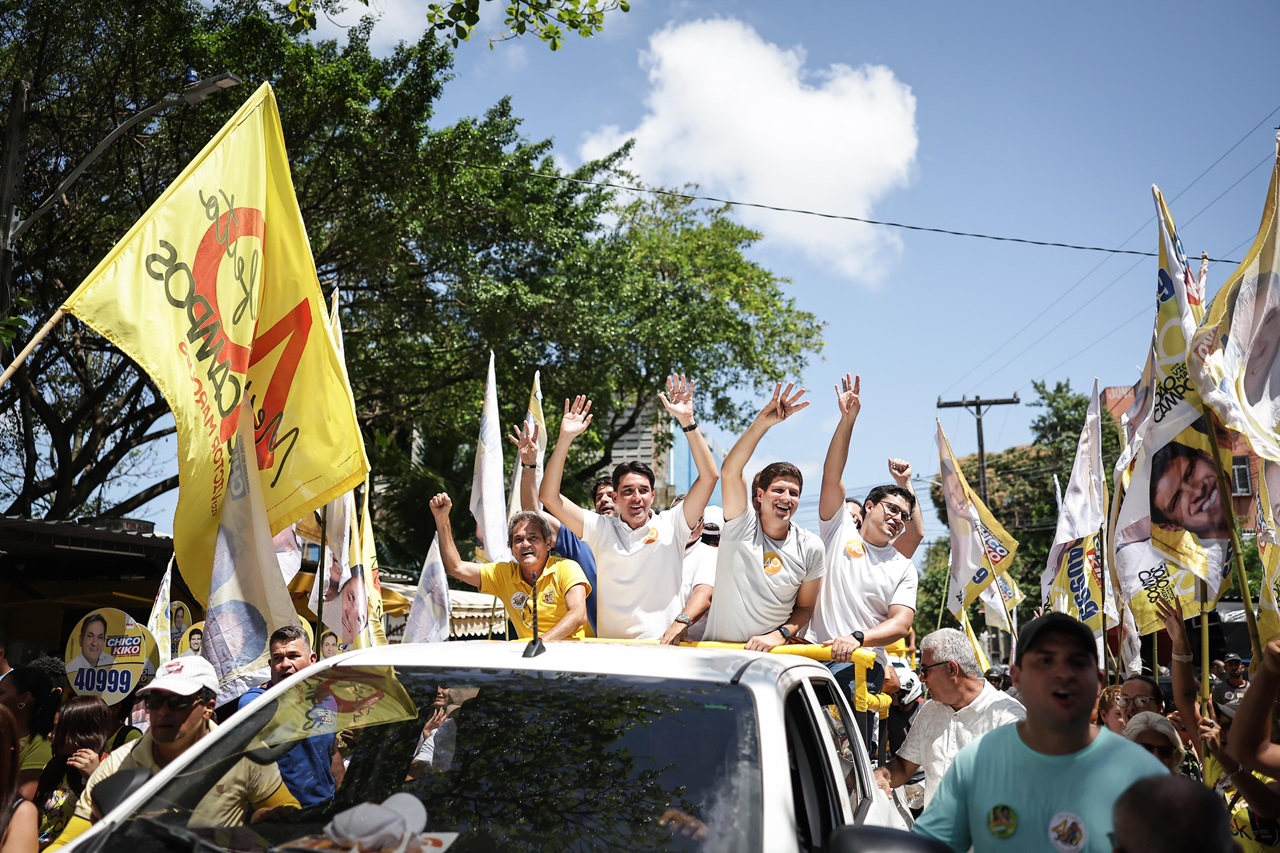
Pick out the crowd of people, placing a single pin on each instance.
(1037, 755)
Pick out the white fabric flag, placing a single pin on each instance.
(158, 622)
(288, 552)
(488, 500)
(247, 595)
(532, 417)
(429, 614)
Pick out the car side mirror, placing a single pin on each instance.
(863, 839)
(118, 787)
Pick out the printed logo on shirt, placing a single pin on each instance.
(549, 597)
(519, 600)
(1066, 832)
(652, 537)
(855, 549)
(772, 563)
(1002, 821)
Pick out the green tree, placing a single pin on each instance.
(1020, 480)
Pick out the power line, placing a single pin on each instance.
(804, 212)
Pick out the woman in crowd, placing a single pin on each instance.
(29, 695)
(1109, 714)
(18, 818)
(79, 742)
(1157, 736)
(1139, 693)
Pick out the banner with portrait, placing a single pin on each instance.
(108, 654)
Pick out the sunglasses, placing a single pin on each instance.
(923, 671)
(1138, 702)
(1165, 751)
(176, 704)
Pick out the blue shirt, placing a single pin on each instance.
(570, 546)
(307, 769)
(1001, 795)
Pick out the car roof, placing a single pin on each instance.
(606, 657)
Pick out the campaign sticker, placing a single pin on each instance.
(107, 655)
(1066, 832)
(1002, 821)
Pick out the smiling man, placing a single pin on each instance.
(868, 597)
(535, 578)
(768, 569)
(1185, 492)
(639, 555)
(1049, 782)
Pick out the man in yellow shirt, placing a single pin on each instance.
(556, 586)
(180, 700)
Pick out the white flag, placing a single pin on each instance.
(488, 502)
(158, 622)
(247, 596)
(531, 418)
(428, 620)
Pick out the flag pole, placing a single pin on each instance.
(31, 345)
(322, 570)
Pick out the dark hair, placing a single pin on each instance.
(56, 669)
(600, 482)
(880, 492)
(44, 701)
(529, 517)
(632, 467)
(326, 634)
(195, 632)
(854, 501)
(287, 634)
(1160, 462)
(774, 471)
(1153, 684)
(86, 722)
(89, 620)
(9, 766)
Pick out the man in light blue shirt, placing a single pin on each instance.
(1049, 782)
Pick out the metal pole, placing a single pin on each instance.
(977, 411)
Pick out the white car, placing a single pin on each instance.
(587, 746)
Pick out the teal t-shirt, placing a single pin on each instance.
(999, 795)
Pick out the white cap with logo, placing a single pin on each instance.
(183, 676)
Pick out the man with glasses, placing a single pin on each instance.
(180, 701)
(1048, 782)
(868, 597)
(961, 706)
(768, 568)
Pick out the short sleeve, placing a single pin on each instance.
(704, 569)
(815, 561)
(37, 753)
(832, 530)
(592, 528)
(109, 765)
(489, 579)
(569, 574)
(264, 779)
(905, 593)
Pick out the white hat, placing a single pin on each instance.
(184, 676)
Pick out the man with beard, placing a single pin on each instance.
(534, 578)
(639, 555)
(769, 569)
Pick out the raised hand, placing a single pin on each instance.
(440, 506)
(525, 437)
(678, 401)
(1170, 613)
(577, 417)
(782, 405)
(900, 471)
(848, 396)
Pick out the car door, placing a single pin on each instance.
(818, 791)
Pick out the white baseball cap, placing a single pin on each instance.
(184, 676)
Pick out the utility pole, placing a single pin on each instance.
(977, 410)
(13, 145)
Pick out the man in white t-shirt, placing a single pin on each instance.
(961, 706)
(769, 569)
(639, 555)
(868, 597)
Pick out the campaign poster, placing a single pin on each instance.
(107, 654)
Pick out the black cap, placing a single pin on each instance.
(1230, 657)
(1055, 623)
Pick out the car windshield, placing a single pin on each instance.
(514, 760)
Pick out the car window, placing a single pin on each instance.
(813, 785)
(532, 761)
(850, 752)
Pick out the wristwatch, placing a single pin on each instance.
(786, 634)
(858, 635)
(684, 619)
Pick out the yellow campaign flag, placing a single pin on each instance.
(980, 547)
(1268, 479)
(984, 662)
(373, 634)
(1077, 587)
(213, 292)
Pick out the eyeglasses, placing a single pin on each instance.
(1164, 751)
(1138, 702)
(923, 671)
(176, 704)
(894, 511)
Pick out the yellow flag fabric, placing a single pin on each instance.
(1267, 476)
(213, 292)
(984, 663)
(1078, 587)
(980, 547)
(373, 633)
(1235, 354)
(533, 417)
(1173, 523)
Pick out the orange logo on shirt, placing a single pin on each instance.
(855, 549)
(652, 537)
(772, 563)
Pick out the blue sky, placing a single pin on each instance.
(1040, 121)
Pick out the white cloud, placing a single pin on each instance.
(745, 119)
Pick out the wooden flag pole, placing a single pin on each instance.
(31, 345)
